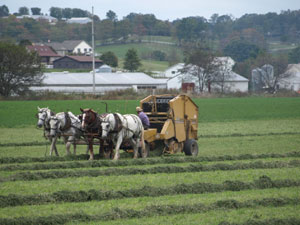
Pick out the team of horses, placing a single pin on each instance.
(112, 130)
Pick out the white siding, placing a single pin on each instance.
(83, 48)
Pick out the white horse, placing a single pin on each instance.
(44, 115)
(121, 128)
(68, 126)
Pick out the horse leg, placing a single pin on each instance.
(73, 141)
(91, 149)
(117, 155)
(68, 145)
(51, 146)
(55, 148)
(101, 148)
(134, 144)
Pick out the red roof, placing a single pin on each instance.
(83, 58)
(43, 50)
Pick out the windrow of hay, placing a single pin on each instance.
(109, 163)
(263, 182)
(152, 170)
(155, 210)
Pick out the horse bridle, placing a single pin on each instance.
(91, 122)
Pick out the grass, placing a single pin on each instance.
(210, 218)
(95, 207)
(128, 182)
(227, 126)
(21, 113)
(142, 48)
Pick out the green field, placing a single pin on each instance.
(247, 170)
(142, 50)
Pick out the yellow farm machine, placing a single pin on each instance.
(173, 122)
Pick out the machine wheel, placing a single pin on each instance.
(190, 147)
(147, 151)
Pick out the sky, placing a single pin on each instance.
(162, 9)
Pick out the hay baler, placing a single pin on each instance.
(173, 122)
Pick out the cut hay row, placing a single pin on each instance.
(246, 135)
(154, 210)
(272, 221)
(27, 176)
(130, 162)
(37, 143)
(147, 191)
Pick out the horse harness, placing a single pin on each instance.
(46, 122)
(68, 123)
(119, 125)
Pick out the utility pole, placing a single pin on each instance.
(93, 46)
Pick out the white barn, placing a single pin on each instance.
(232, 82)
(83, 82)
(292, 82)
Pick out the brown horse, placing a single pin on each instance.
(91, 124)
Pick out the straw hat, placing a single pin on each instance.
(138, 109)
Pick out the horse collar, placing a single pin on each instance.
(118, 123)
(68, 122)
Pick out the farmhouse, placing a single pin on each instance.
(79, 62)
(71, 47)
(45, 52)
(83, 82)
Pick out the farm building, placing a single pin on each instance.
(292, 81)
(263, 78)
(73, 62)
(45, 52)
(83, 82)
(104, 69)
(230, 81)
(79, 20)
(71, 47)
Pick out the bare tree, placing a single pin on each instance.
(223, 72)
(271, 71)
(200, 67)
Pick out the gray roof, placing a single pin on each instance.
(66, 45)
(236, 77)
(100, 78)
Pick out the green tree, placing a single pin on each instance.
(36, 11)
(158, 55)
(19, 69)
(111, 15)
(190, 28)
(4, 11)
(25, 42)
(294, 55)
(241, 51)
(56, 12)
(67, 13)
(80, 13)
(23, 11)
(110, 59)
(132, 61)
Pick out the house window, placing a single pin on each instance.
(173, 72)
(90, 49)
(85, 50)
(78, 50)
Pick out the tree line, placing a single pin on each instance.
(251, 28)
